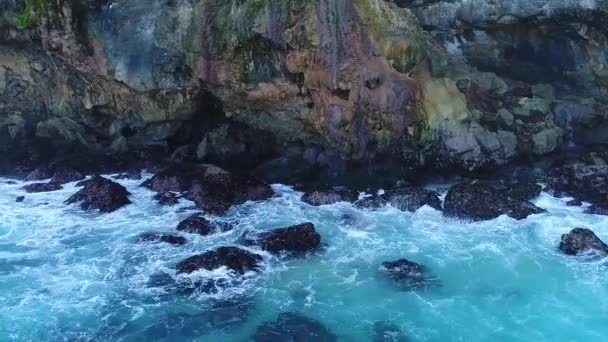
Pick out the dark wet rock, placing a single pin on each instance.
(102, 194)
(64, 176)
(524, 190)
(581, 240)
(406, 274)
(298, 239)
(167, 198)
(574, 203)
(478, 202)
(161, 237)
(130, 175)
(197, 224)
(212, 189)
(20, 199)
(387, 332)
(407, 198)
(40, 173)
(42, 187)
(234, 258)
(290, 326)
(597, 209)
(10, 183)
(585, 179)
(317, 198)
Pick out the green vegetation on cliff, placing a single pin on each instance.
(31, 14)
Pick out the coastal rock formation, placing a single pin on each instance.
(341, 84)
(408, 198)
(581, 240)
(196, 224)
(294, 240)
(478, 202)
(291, 326)
(42, 187)
(235, 259)
(160, 237)
(406, 274)
(100, 193)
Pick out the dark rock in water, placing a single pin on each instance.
(574, 203)
(196, 224)
(298, 239)
(585, 179)
(100, 193)
(234, 258)
(228, 313)
(19, 198)
(212, 189)
(581, 240)
(317, 198)
(10, 183)
(597, 209)
(478, 202)
(160, 237)
(291, 326)
(387, 332)
(406, 274)
(167, 198)
(64, 176)
(524, 191)
(42, 187)
(40, 173)
(408, 198)
(131, 175)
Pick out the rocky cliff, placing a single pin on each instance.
(462, 84)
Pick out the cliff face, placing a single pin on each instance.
(417, 83)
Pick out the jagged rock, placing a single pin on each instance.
(478, 202)
(406, 274)
(42, 187)
(100, 193)
(64, 176)
(211, 188)
(295, 240)
(161, 237)
(20, 199)
(234, 258)
(581, 240)
(167, 198)
(405, 199)
(196, 224)
(585, 179)
(317, 198)
(524, 190)
(291, 326)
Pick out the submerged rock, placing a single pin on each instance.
(290, 326)
(407, 198)
(478, 202)
(317, 198)
(387, 332)
(234, 258)
(161, 237)
(297, 240)
(19, 199)
(212, 189)
(196, 224)
(42, 187)
(581, 240)
(406, 274)
(167, 198)
(130, 175)
(102, 194)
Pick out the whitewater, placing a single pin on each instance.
(71, 275)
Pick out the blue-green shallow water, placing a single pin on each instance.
(67, 275)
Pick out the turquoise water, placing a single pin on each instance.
(67, 275)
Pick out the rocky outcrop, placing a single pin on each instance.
(407, 198)
(318, 198)
(42, 187)
(295, 240)
(407, 275)
(196, 224)
(160, 237)
(290, 326)
(101, 194)
(478, 202)
(581, 240)
(233, 258)
(449, 84)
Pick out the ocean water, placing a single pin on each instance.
(69, 275)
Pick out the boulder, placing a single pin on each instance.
(102, 194)
(20, 199)
(406, 274)
(211, 188)
(161, 237)
(582, 240)
(318, 198)
(290, 326)
(64, 176)
(584, 179)
(524, 190)
(42, 187)
(167, 198)
(295, 240)
(478, 202)
(409, 198)
(234, 258)
(196, 224)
